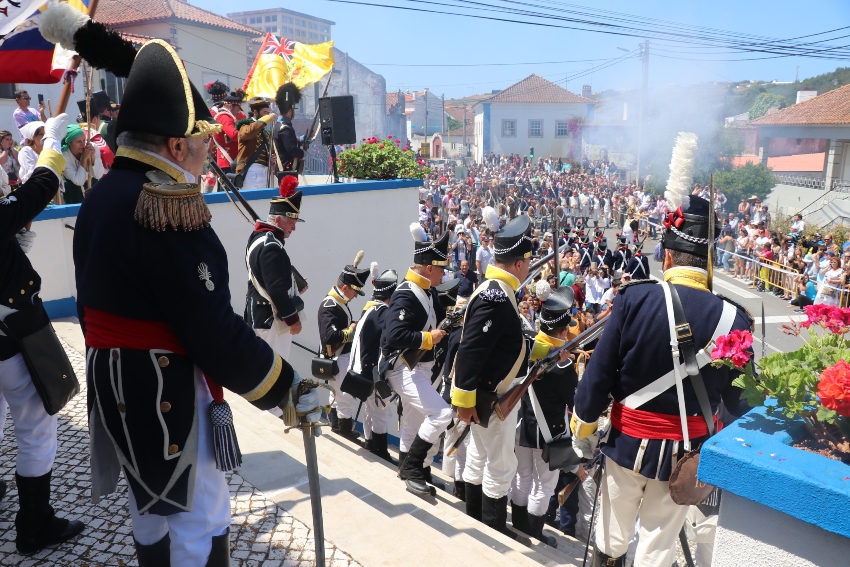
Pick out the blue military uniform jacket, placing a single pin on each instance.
(405, 322)
(555, 393)
(369, 337)
(270, 264)
(638, 267)
(146, 398)
(334, 322)
(634, 350)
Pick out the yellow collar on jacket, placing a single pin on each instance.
(687, 276)
(334, 292)
(421, 281)
(370, 304)
(548, 339)
(158, 162)
(494, 273)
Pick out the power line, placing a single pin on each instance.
(481, 64)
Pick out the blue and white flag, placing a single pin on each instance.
(15, 12)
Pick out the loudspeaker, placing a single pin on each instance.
(337, 115)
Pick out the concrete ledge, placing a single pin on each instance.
(753, 459)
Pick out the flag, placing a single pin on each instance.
(281, 60)
(25, 56)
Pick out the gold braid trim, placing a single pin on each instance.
(204, 128)
(159, 207)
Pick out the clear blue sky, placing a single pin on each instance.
(377, 36)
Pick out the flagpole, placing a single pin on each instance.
(75, 63)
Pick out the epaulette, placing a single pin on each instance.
(166, 203)
(739, 306)
(631, 283)
(493, 295)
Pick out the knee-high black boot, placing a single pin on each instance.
(346, 429)
(379, 447)
(156, 554)
(602, 560)
(519, 518)
(334, 419)
(412, 471)
(402, 456)
(535, 524)
(474, 495)
(36, 524)
(459, 490)
(494, 513)
(220, 551)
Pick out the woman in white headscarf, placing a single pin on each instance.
(33, 133)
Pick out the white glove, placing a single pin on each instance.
(25, 239)
(584, 447)
(55, 129)
(306, 403)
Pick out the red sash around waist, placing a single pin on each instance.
(650, 425)
(107, 330)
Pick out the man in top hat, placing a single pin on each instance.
(647, 437)
(252, 158)
(493, 351)
(542, 420)
(410, 327)
(227, 111)
(365, 353)
(285, 139)
(272, 303)
(36, 525)
(154, 303)
(336, 332)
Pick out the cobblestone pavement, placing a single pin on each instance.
(261, 533)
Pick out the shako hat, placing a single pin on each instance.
(287, 97)
(686, 225)
(354, 277)
(447, 293)
(555, 307)
(511, 242)
(427, 253)
(287, 206)
(217, 90)
(602, 244)
(384, 285)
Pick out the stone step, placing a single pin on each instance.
(367, 510)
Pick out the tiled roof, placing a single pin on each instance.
(456, 113)
(118, 13)
(797, 162)
(832, 107)
(135, 38)
(392, 100)
(537, 89)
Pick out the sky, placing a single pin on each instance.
(457, 56)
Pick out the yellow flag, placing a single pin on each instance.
(281, 60)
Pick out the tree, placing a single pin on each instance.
(454, 124)
(766, 101)
(745, 181)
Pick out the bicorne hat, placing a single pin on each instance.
(354, 277)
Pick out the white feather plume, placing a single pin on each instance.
(358, 258)
(60, 22)
(491, 219)
(418, 232)
(680, 183)
(373, 270)
(542, 290)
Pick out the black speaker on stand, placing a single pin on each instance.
(337, 124)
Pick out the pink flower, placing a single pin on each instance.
(735, 347)
(830, 317)
(381, 147)
(389, 137)
(398, 142)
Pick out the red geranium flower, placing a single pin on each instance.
(381, 147)
(389, 137)
(734, 346)
(830, 317)
(834, 388)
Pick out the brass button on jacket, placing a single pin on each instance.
(121, 407)
(163, 361)
(115, 355)
(172, 449)
(164, 407)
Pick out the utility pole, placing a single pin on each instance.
(443, 121)
(643, 89)
(426, 114)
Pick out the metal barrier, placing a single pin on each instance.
(839, 185)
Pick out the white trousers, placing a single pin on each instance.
(533, 482)
(586, 494)
(426, 413)
(490, 457)
(454, 465)
(701, 529)
(281, 343)
(377, 418)
(192, 532)
(34, 429)
(346, 404)
(256, 177)
(625, 494)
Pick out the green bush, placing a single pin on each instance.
(751, 179)
(766, 101)
(382, 159)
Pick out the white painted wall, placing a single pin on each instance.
(751, 534)
(544, 146)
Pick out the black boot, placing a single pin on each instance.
(156, 554)
(602, 560)
(369, 444)
(334, 419)
(402, 456)
(519, 519)
(535, 523)
(412, 471)
(430, 480)
(459, 490)
(474, 495)
(494, 513)
(379, 448)
(36, 524)
(346, 429)
(220, 551)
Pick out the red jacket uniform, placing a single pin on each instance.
(228, 138)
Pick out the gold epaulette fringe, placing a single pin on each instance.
(159, 208)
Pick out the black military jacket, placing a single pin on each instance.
(404, 325)
(286, 142)
(555, 392)
(369, 330)
(334, 321)
(272, 269)
(638, 267)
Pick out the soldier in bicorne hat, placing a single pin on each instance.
(633, 364)
(410, 327)
(154, 303)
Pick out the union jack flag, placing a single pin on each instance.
(282, 46)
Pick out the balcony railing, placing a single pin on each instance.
(839, 185)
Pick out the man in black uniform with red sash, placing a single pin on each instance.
(154, 303)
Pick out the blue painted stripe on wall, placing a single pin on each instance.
(68, 211)
(61, 308)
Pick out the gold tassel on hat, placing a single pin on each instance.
(174, 205)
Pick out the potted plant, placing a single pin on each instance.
(811, 384)
(377, 158)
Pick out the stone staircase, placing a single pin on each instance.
(367, 510)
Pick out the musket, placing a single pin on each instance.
(712, 228)
(536, 267)
(311, 132)
(411, 357)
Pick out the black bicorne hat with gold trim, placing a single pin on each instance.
(287, 206)
(354, 277)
